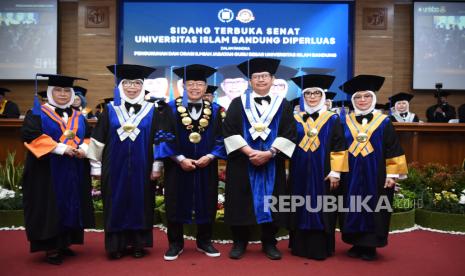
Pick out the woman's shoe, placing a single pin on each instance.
(67, 252)
(53, 257)
(115, 255)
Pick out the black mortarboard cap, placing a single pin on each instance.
(130, 71)
(321, 81)
(257, 65)
(330, 95)
(80, 89)
(211, 89)
(402, 96)
(362, 83)
(341, 103)
(60, 80)
(196, 72)
(43, 94)
(382, 106)
(4, 90)
(105, 101)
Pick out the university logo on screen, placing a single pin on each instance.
(243, 16)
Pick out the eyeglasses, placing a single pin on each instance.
(135, 83)
(195, 84)
(261, 76)
(359, 97)
(314, 93)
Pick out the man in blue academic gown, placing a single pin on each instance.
(259, 135)
(189, 141)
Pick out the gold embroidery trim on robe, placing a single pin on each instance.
(396, 165)
(339, 161)
(307, 142)
(2, 106)
(355, 128)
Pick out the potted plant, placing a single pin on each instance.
(11, 201)
(441, 192)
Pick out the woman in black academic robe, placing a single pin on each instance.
(402, 114)
(121, 153)
(315, 169)
(376, 161)
(56, 183)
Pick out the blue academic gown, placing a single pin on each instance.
(190, 197)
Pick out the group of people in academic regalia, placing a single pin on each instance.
(135, 141)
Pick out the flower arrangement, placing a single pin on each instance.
(10, 184)
(97, 195)
(221, 195)
(11, 174)
(437, 187)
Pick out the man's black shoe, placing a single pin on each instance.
(208, 249)
(369, 254)
(237, 251)
(139, 253)
(115, 255)
(355, 252)
(54, 257)
(67, 252)
(271, 251)
(173, 252)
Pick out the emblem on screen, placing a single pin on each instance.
(245, 16)
(225, 15)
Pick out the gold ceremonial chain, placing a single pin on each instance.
(188, 122)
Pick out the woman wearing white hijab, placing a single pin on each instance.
(376, 160)
(402, 112)
(56, 183)
(121, 153)
(315, 168)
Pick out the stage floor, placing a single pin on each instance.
(412, 253)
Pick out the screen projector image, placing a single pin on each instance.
(301, 35)
(28, 38)
(439, 45)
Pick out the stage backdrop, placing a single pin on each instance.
(301, 34)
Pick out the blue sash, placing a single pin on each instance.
(262, 179)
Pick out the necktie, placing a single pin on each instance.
(61, 111)
(360, 118)
(259, 100)
(196, 106)
(136, 107)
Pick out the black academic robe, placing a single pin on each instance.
(11, 110)
(43, 218)
(312, 233)
(128, 193)
(462, 113)
(394, 119)
(240, 208)
(369, 164)
(438, 117)
(195, 191)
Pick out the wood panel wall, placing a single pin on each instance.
(85, 52)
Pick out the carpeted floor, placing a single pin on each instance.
(413, 253)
